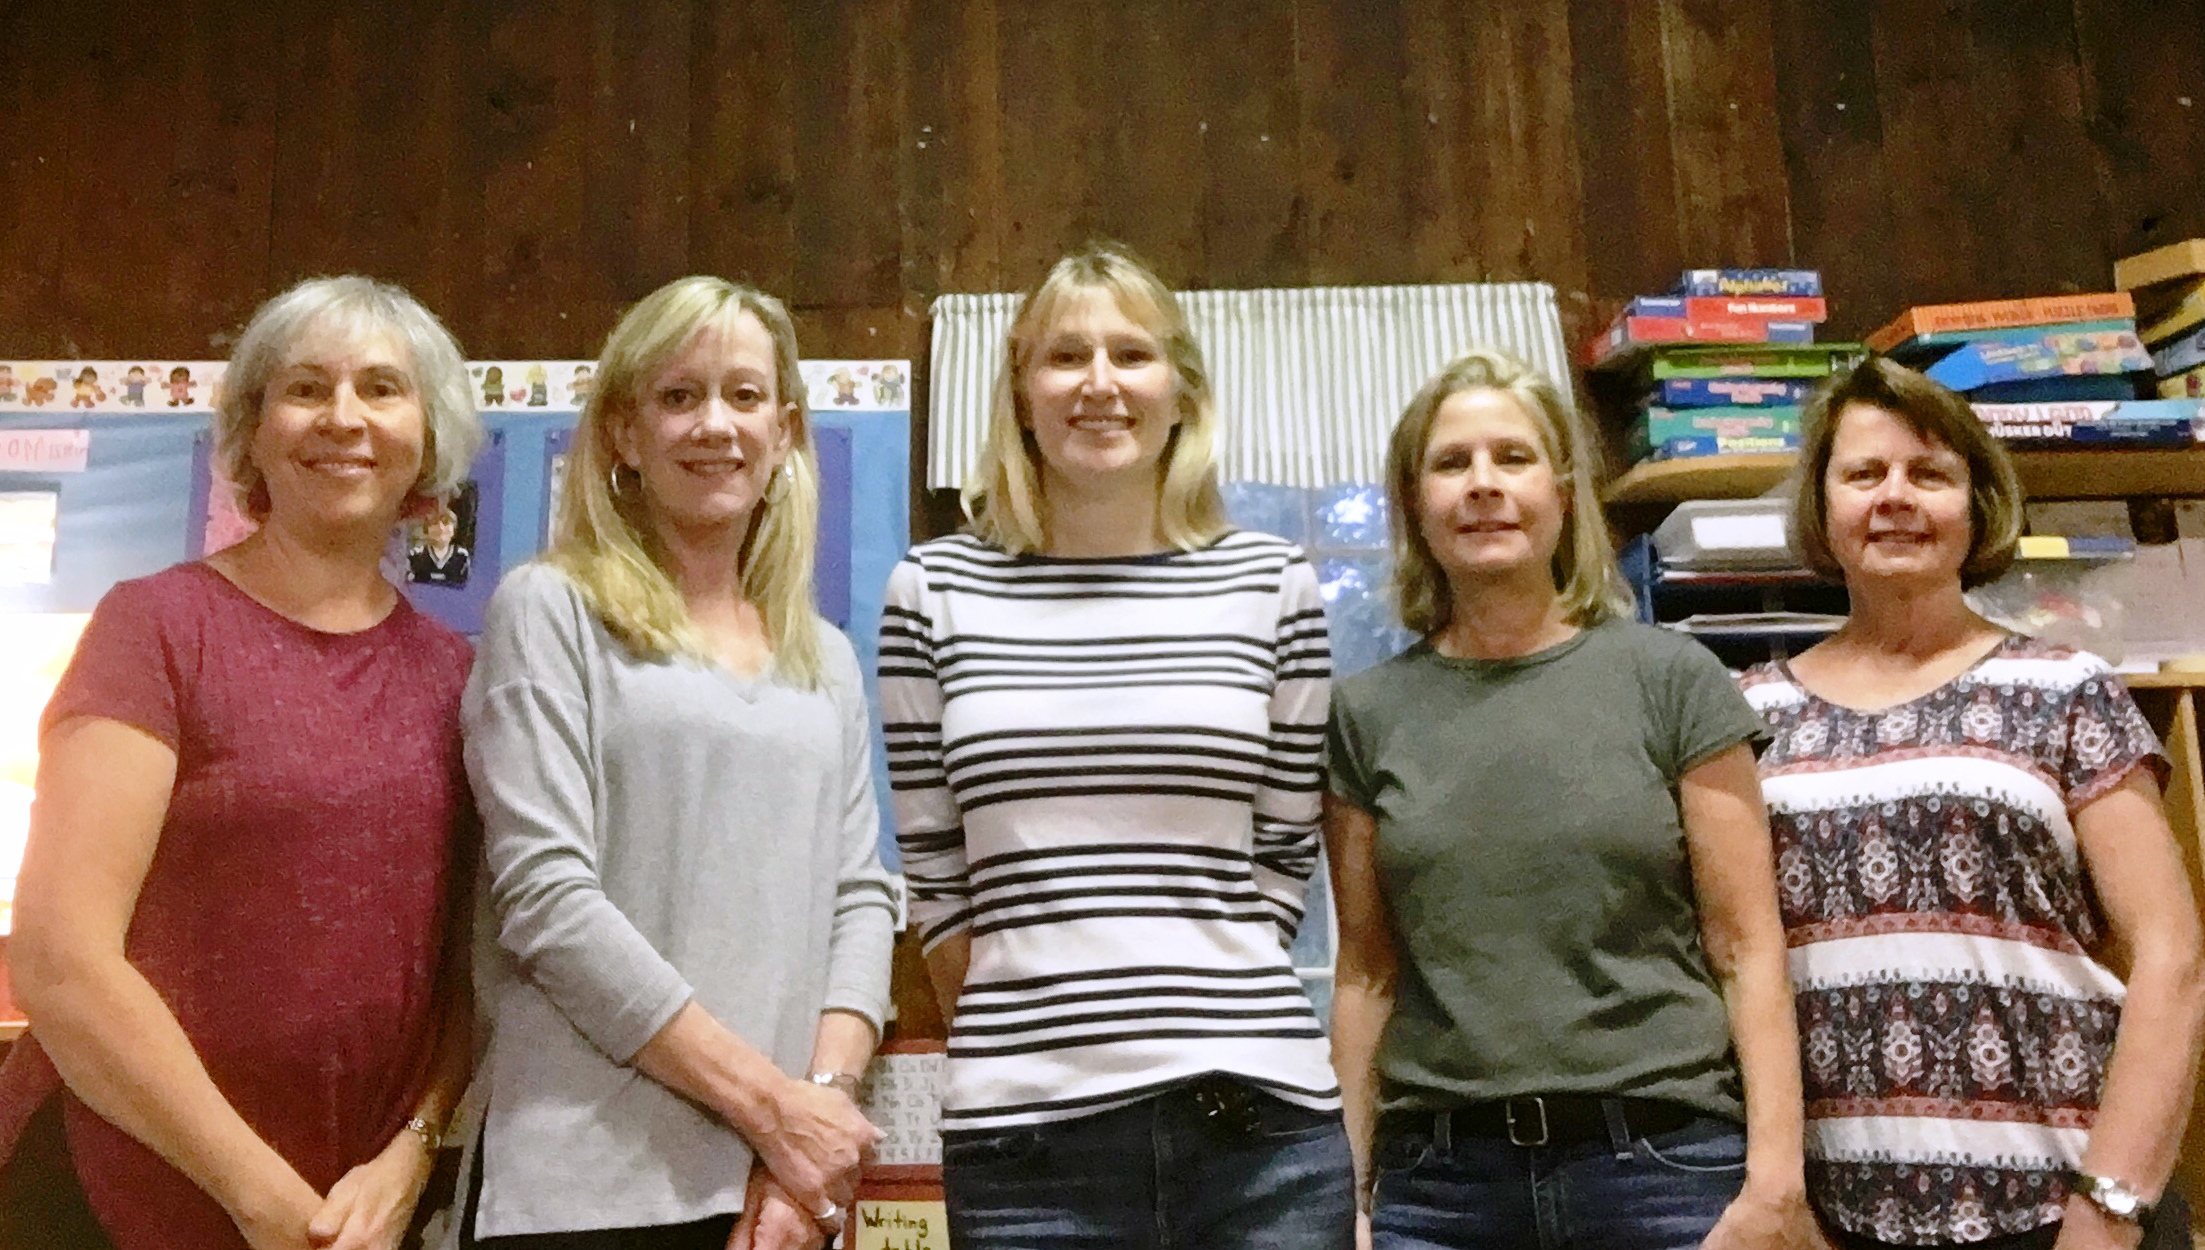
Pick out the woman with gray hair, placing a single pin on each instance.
(234, 928)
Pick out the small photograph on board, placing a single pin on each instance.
(440, 546)
(27, 520)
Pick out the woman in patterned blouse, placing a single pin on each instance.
(1967, 822)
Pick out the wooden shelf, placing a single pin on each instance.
(2095, 474)
(1700, 477)
(2164, 681)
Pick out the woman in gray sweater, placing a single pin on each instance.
(670, 751)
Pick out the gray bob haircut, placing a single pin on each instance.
(352, 308)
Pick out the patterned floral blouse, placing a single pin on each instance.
(1954, 1022)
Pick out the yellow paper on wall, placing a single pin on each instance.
(901, 1225)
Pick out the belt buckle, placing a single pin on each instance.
(1515, 1133)
(1228, 1109)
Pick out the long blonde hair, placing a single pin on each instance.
(605, 540)
(1585, 570)
(1003, 500)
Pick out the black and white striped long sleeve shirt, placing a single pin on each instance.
(1107, 773)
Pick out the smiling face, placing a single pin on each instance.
(341, 435)
(1898, 503)
(1489, 503)
(1100, 394)
(707, 433)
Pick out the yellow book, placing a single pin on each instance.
(2189, 385)
(2187, 310)
(2159, 303)
(2159, 265)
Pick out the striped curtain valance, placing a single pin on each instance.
(1309, 380)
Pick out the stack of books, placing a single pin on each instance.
(1721, 364)
(2168, 284)
(2058, 347)
(1717, 306)
(2061, 371)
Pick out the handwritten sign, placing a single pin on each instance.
(44, 451)
(901, 1224)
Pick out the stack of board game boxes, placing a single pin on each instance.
(1719, 365)
(2168, 285)
(2065, 371)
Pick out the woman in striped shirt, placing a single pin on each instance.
(1104, 715)
(1966, 822)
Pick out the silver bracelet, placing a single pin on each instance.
(847, 1082)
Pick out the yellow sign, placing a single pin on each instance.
(901, 1225)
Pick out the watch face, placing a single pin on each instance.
(2115, 1199)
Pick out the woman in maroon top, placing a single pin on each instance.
(234, 923)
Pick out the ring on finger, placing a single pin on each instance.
(831, 1216)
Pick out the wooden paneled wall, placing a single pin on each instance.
(528, 168)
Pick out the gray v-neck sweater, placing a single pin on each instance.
(654, 831)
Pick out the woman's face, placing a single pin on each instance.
(342, 434)
(709, 431)
(1898, 503)
(1101, 395)
(1489, 502)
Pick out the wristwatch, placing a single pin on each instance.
(847, 1082)
(430, 1135)
(2114, 1198)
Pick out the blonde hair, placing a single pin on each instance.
(355, 309)
(1003, 500)
(605, 540)
(1586, 575)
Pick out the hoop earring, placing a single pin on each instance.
(778, 488)
(612, 481)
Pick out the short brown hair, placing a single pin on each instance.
(1933, 413)
(1585, 571)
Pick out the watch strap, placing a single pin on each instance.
(2114, 1198)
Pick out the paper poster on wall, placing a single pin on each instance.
(451, 556)
(126, 386)
(901, 1224)
(27, 519)
(45, 451)
(440, 546)
(549, 385)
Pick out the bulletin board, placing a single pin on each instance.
(107, 473)
(103, 479)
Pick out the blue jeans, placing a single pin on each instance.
(1161, 1174)
(1662, 1192)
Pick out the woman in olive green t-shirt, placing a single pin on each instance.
(1560, 949)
